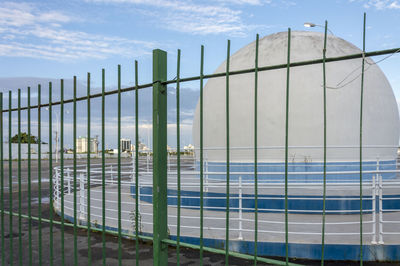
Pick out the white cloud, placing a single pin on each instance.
(48, 38)
(247, 2)
(194, 18)
(382, 4)
(394, 5)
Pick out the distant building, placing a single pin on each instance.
(82, 145)
(126, 145)
(142, 147)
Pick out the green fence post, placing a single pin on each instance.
(10, 186)
(3, 261)
(160, 250)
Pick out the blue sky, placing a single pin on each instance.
(44, 41)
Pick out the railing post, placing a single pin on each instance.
(111, 174)
(82, 214)
(56, 189)
(206, 175)
(374, 191)
(169, 161)
(240, 209)
(69, 181)
(160, 228)
(148, 162)
(380, 241)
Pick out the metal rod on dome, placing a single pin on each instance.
(255, 152)
(201, 165)
(361, 138)
(286, 150)
(178, 148)
(227, 155)
(103, 168)
(62, 170)
(324, 184)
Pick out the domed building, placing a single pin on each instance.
(306, 120)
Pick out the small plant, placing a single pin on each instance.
(132, 218)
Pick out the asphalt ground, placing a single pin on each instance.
(187, 256)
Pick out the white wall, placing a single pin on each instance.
(380, 123)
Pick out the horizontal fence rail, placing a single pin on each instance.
(210, 76)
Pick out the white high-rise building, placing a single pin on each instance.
(125, 145)
(82, 145)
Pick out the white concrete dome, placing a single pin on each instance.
(381, 117)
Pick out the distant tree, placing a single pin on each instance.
(25, 138)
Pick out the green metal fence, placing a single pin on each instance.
(160, 236)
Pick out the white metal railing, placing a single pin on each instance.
(373, 190)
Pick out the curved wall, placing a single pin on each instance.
(380, 123)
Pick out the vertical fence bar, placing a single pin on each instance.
(227, 154)
(286, 151)
(19, 181)
(361, 138)
(62, 168)
(3, 261)
(178, 149)
(256, 152)
(137, 161)
(160, 228)
(75, 199)
(51, 175)
(29, 181)
(103, 167)
(88, 174)
(40, 174)
(324, 188)
(119, 169)
(10, 189)
(201, 155)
